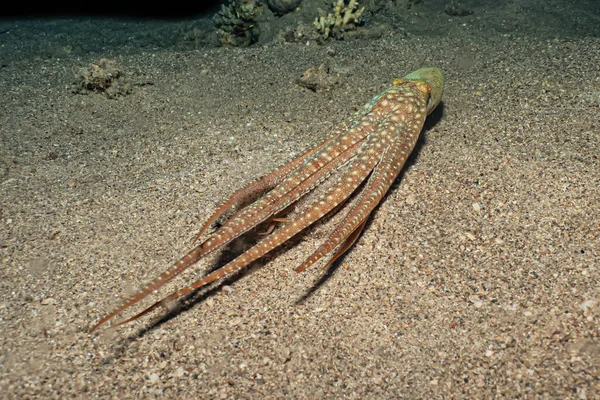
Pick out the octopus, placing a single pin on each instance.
(358, 162)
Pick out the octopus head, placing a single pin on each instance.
(434, 78)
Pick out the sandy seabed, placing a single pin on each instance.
(477, 277)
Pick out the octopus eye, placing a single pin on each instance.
(430, 103)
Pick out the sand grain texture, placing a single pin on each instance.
(477, 277)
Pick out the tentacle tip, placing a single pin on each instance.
(301, 268)
(196, 238)
(100, 323)
(95, 328)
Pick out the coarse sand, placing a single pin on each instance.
(477, 277)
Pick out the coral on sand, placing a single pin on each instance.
(344, 17)
(236, 23)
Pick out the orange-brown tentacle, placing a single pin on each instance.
(301, 181)
(250, 217)
(183, 263)
(404, 105)
(404, 138)
(224, 236)
(266, 182)
(275, 177)
(358, 170)
(350, 240)
(348, 230)
(310, 174)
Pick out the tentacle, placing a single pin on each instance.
(347, 244)
(296, 185)
(220, 239)
(183, 263)
(403, 106)
(348, 230)
(268, 181)
(405, 137)
(412, 108)
(358, 170)
(275, 177)
(301, 181)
